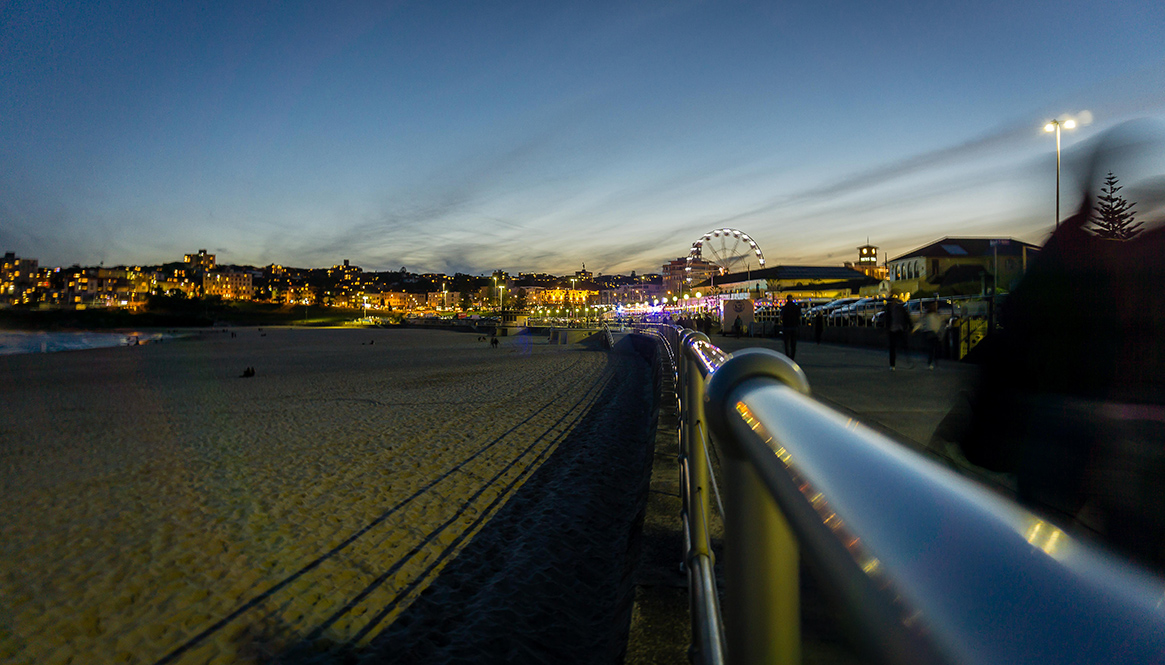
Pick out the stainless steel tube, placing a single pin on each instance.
(937, 568)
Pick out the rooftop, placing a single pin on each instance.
(793, 272)
(966, 247)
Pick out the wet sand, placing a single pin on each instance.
(155, 507)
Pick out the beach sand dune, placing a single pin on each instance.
(155, 507)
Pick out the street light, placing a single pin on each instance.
(1054, 126)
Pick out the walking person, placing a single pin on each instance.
(931, 324)
(818, 326)
(897, 325)
(790, 325)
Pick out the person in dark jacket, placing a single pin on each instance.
(897, 325)
(790, 325)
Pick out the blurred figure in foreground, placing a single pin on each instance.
(1072, 397)
(932, 326)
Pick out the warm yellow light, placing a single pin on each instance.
(1050, 127)
(699, 295)
(1069, 124)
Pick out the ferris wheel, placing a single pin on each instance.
(730, 249)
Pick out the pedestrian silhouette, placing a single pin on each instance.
(897, 327)
(790, 326)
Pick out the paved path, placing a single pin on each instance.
(907, 404)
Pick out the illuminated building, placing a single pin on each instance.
(397, 300)
(867, 262)
(346, 272)
(637, 292)
(561, 297)
(970, 261)
(200, 262)
(227, 285)
(796, 281)
(683, 273)
(18, 279)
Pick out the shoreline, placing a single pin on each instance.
(20, 342)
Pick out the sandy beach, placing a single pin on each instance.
(155, 507)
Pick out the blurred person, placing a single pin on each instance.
(932, 325)
(818, 326)
(790, 326)
(1071, 401)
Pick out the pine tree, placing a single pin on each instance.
(1112, 217)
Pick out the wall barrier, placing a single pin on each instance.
(932, 567)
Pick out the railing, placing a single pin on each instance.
(932, 567)
(608, 338)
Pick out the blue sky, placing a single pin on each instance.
(536, 136)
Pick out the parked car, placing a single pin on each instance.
(830, 309)
(842, 316)
(915, 307)
(865, 309)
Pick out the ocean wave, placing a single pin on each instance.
(50, 342)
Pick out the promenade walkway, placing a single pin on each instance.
(907, 404)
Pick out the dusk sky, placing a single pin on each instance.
(457, 136)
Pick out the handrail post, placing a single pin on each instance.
(695, 445)
(696, 486)
(761, 558)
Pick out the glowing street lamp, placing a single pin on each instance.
(1054, 126)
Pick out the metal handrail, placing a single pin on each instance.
(707, 625)
(933, 568)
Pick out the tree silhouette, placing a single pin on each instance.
(1112, 217)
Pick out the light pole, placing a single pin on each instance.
(1054, 126)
